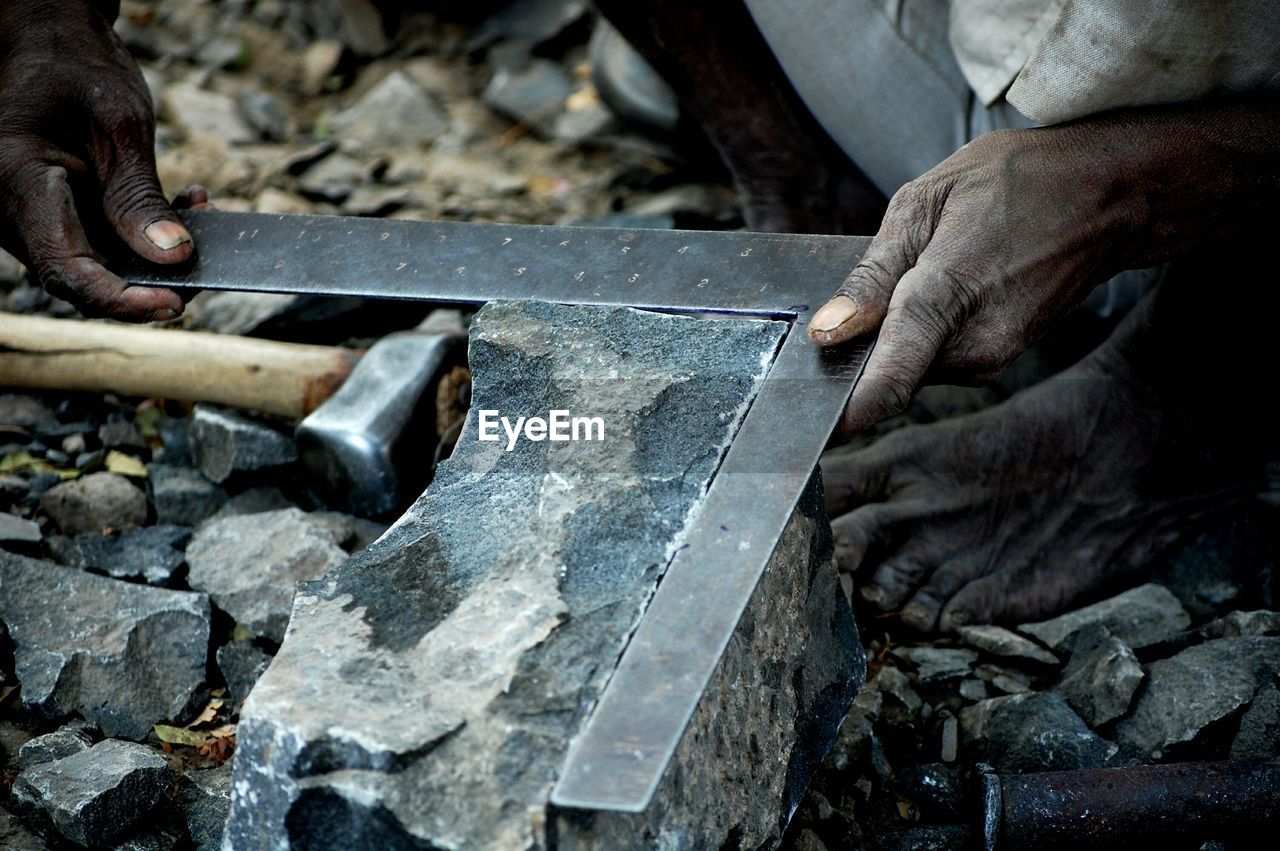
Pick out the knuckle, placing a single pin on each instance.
(923, 315)
(132, 192)
(892, 391)
(869, 278)
(962, 288)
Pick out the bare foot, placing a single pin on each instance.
(791, 177)
(1017, 512)
(821, 193)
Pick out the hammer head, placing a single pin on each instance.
(369, 446)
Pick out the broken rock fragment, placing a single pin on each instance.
(94, 796)
(1101, 677)
(250, 564)
(95, 502)
(182, 496)
(204, 799)
(224, 443)
(241, 664)
(1139, 617)
(63, 742)
(429, 687)
(15, 530)
(397, 111)
(1187, 692)
(937, 664)
(1259, 734)
(1037, 733)
(15, 836)
(999, 641)
(124, 656)
(151, 553)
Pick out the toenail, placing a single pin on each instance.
(959, 618)
(916, 615)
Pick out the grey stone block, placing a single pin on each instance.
(182, 496)
(1139, 617)
(395, 112)
(1100, 679)
(15, 530)
(250, 564)
(95, 502)
(124, 656)
(63, 742)
(999, 641)
(96, 795)
(151, 553)
(428, 688)
(224, 443)
(242, 665)
(1188, 692)
(766, 720)
(1035, 733)
(204, 799)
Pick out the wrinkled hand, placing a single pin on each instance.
(77, 158)
(976, 258)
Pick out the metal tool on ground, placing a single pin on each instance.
(619, 762)
(353, 406)
(1179, 805)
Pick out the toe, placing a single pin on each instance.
(895, 579)
(849, 480)
(855, 478)
(871, 529)
(981, 601)
(925, 607)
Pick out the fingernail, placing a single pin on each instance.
(959, 617)
(872, 594)
(833, 314)
(167, 235)
(163, 314)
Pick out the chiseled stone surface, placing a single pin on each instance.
(783, 687)
(427, 689)
(124, 656)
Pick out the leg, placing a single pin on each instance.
(1018, 511)
(790, 175)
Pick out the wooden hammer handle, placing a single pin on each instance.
(65, 354)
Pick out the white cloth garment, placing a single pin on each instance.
(901, 84)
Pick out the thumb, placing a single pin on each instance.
(859, 306)
(862, 301)
(132, 200)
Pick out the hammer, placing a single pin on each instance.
(352, 406)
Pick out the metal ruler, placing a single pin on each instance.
(619, 759)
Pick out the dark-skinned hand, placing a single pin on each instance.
(976, 258)
(77, 161)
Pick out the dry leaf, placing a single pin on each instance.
(125, 465)
(208, 714)
(16, 462)
(180, 736)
